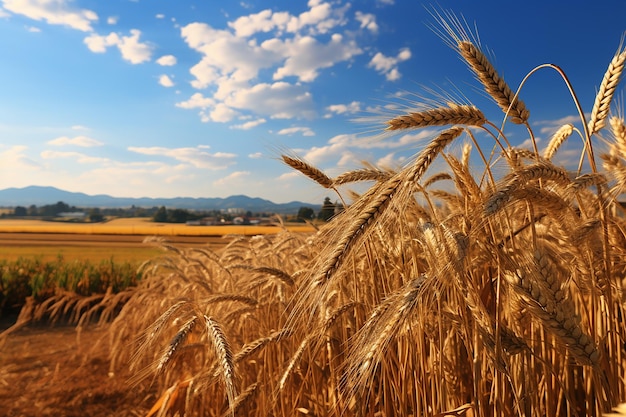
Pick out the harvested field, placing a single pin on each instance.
(138, 226)
(58, 371)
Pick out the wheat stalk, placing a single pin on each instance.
(618, 129)
(607, 90)
(362, 175)
(493, 83)
(557, 140)
(309, 170)
(380, 198)
(225, 357)
(442, 116)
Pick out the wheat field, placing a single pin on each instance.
(488, 290)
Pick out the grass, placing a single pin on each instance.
(485, 290)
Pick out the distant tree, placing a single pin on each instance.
(32, 210)
(306, 213)
(20, 211)
(327, 211)
(95, 216)
(177, 216)
(161, 215)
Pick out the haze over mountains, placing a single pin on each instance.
(39, 196)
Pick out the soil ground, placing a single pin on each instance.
(60, 371)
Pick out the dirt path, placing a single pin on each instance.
(58, 371)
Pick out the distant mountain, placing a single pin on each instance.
(40, 196)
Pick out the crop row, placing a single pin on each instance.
(42, 279)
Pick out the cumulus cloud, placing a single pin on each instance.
(320, 18)
(233, 58)
(351, 108)
(77, 156)
(198, 157)
(166, 81)
(112, 20)
(231, 178)
(130, 47)
(197, 100)
(166, 60)
(548, 127)
(249, 125)
(368, 21)
(54, 12)
(306, 56)
(389, 65)
(15, 158)
(279, 100)
(304, 131)
(82, 141)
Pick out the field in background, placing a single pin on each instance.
(139, 226)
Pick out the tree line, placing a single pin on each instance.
(163, 214)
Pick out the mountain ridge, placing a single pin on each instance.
(44, 195)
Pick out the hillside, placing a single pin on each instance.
(38, 196)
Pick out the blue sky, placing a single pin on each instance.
(187, 98)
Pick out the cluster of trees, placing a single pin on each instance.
(50, 211)
(163, 214)
(328, 210)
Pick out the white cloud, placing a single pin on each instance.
(249, 125)
(368, 21)
(166, 81)
(14, 159)
(3, 13)
(389, 65)
(321, 18)
(390, 161)
(220, 113)
(233, 58)
(82, 141)
(79, 157)
(197, 100)
(197, 157)
(305, 131)
(160, 16)
(166, 60)
(54, 12)
(255, 155)
(131, 48)
(79, 127)
(351, 108)
(234, 177)
(551, 126)
(33, 29)
(112, 20)
(263, 21)
(279, 100)
(306, 56)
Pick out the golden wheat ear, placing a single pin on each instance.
(441, 116)
(607, 89)
(309, 170)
